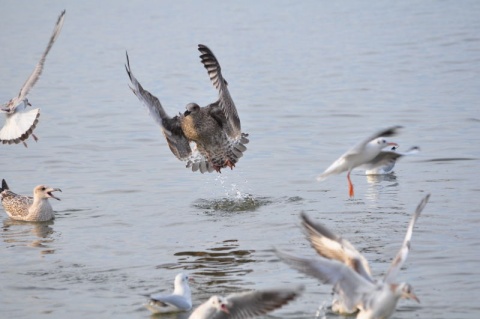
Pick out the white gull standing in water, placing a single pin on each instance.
(179, 300)
(32, 209)
(368, 152)
(20, 123)
(246, 304)
(341, 265)
(209, 138)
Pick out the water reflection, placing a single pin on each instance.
(380, 184)
(217, 268)
(19, 233)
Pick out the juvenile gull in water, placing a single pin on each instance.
(33, 209)
(245, 305)
(341, 265)
(20, 123)
(179, 300)
(209, 138)
(367, 154)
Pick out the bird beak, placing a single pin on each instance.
(186, 113)
(190, 279)
(224, 308)
(53, 190)
(413, 296)
(393, 144)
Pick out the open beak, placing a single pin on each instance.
(186, 113)
(224, 308)
(50, 190)
(413, 296)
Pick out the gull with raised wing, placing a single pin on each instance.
(179, 300)
(32, 209)
(342, 266)
(245, 305)
(208, 138)
(20, 122)
(367, 152)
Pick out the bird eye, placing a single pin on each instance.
(43, 188)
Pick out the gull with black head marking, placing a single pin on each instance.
(32, 209)
(20, 122)
(341, 265)
(208, 138)
(367, 154)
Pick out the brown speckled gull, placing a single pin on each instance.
(33, 209)
(20, 122)
(208, 138)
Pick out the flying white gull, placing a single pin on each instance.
(33, 209)
(20, 122)
(245, 305)
(367, 154)
(209, 138)
(179, 300)
(342, 266)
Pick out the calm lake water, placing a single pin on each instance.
(310, 79)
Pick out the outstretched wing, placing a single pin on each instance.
(255, 303)
(171, 127)
(402, 255)
(331, 246)
(352, 286)
(39, 67)
(387, 158)
(232, 127)
(391, 131)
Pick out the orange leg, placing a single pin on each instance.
(350, 186)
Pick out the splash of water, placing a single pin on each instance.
(321, 311)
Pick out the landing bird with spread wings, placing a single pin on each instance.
(342, 266)
(20, 122)
(208, 138)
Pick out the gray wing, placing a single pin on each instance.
(331, 246)
(391, 131)
(388, 158)
(402, 255)
(171, 127)
(232, 127)
(352, 286)
(39, 67)
(178, 301)
(256, 303)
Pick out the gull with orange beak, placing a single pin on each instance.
(367, 154)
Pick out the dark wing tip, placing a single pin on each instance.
(4, 185)
(391, 131)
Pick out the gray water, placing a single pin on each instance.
(309, 80)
